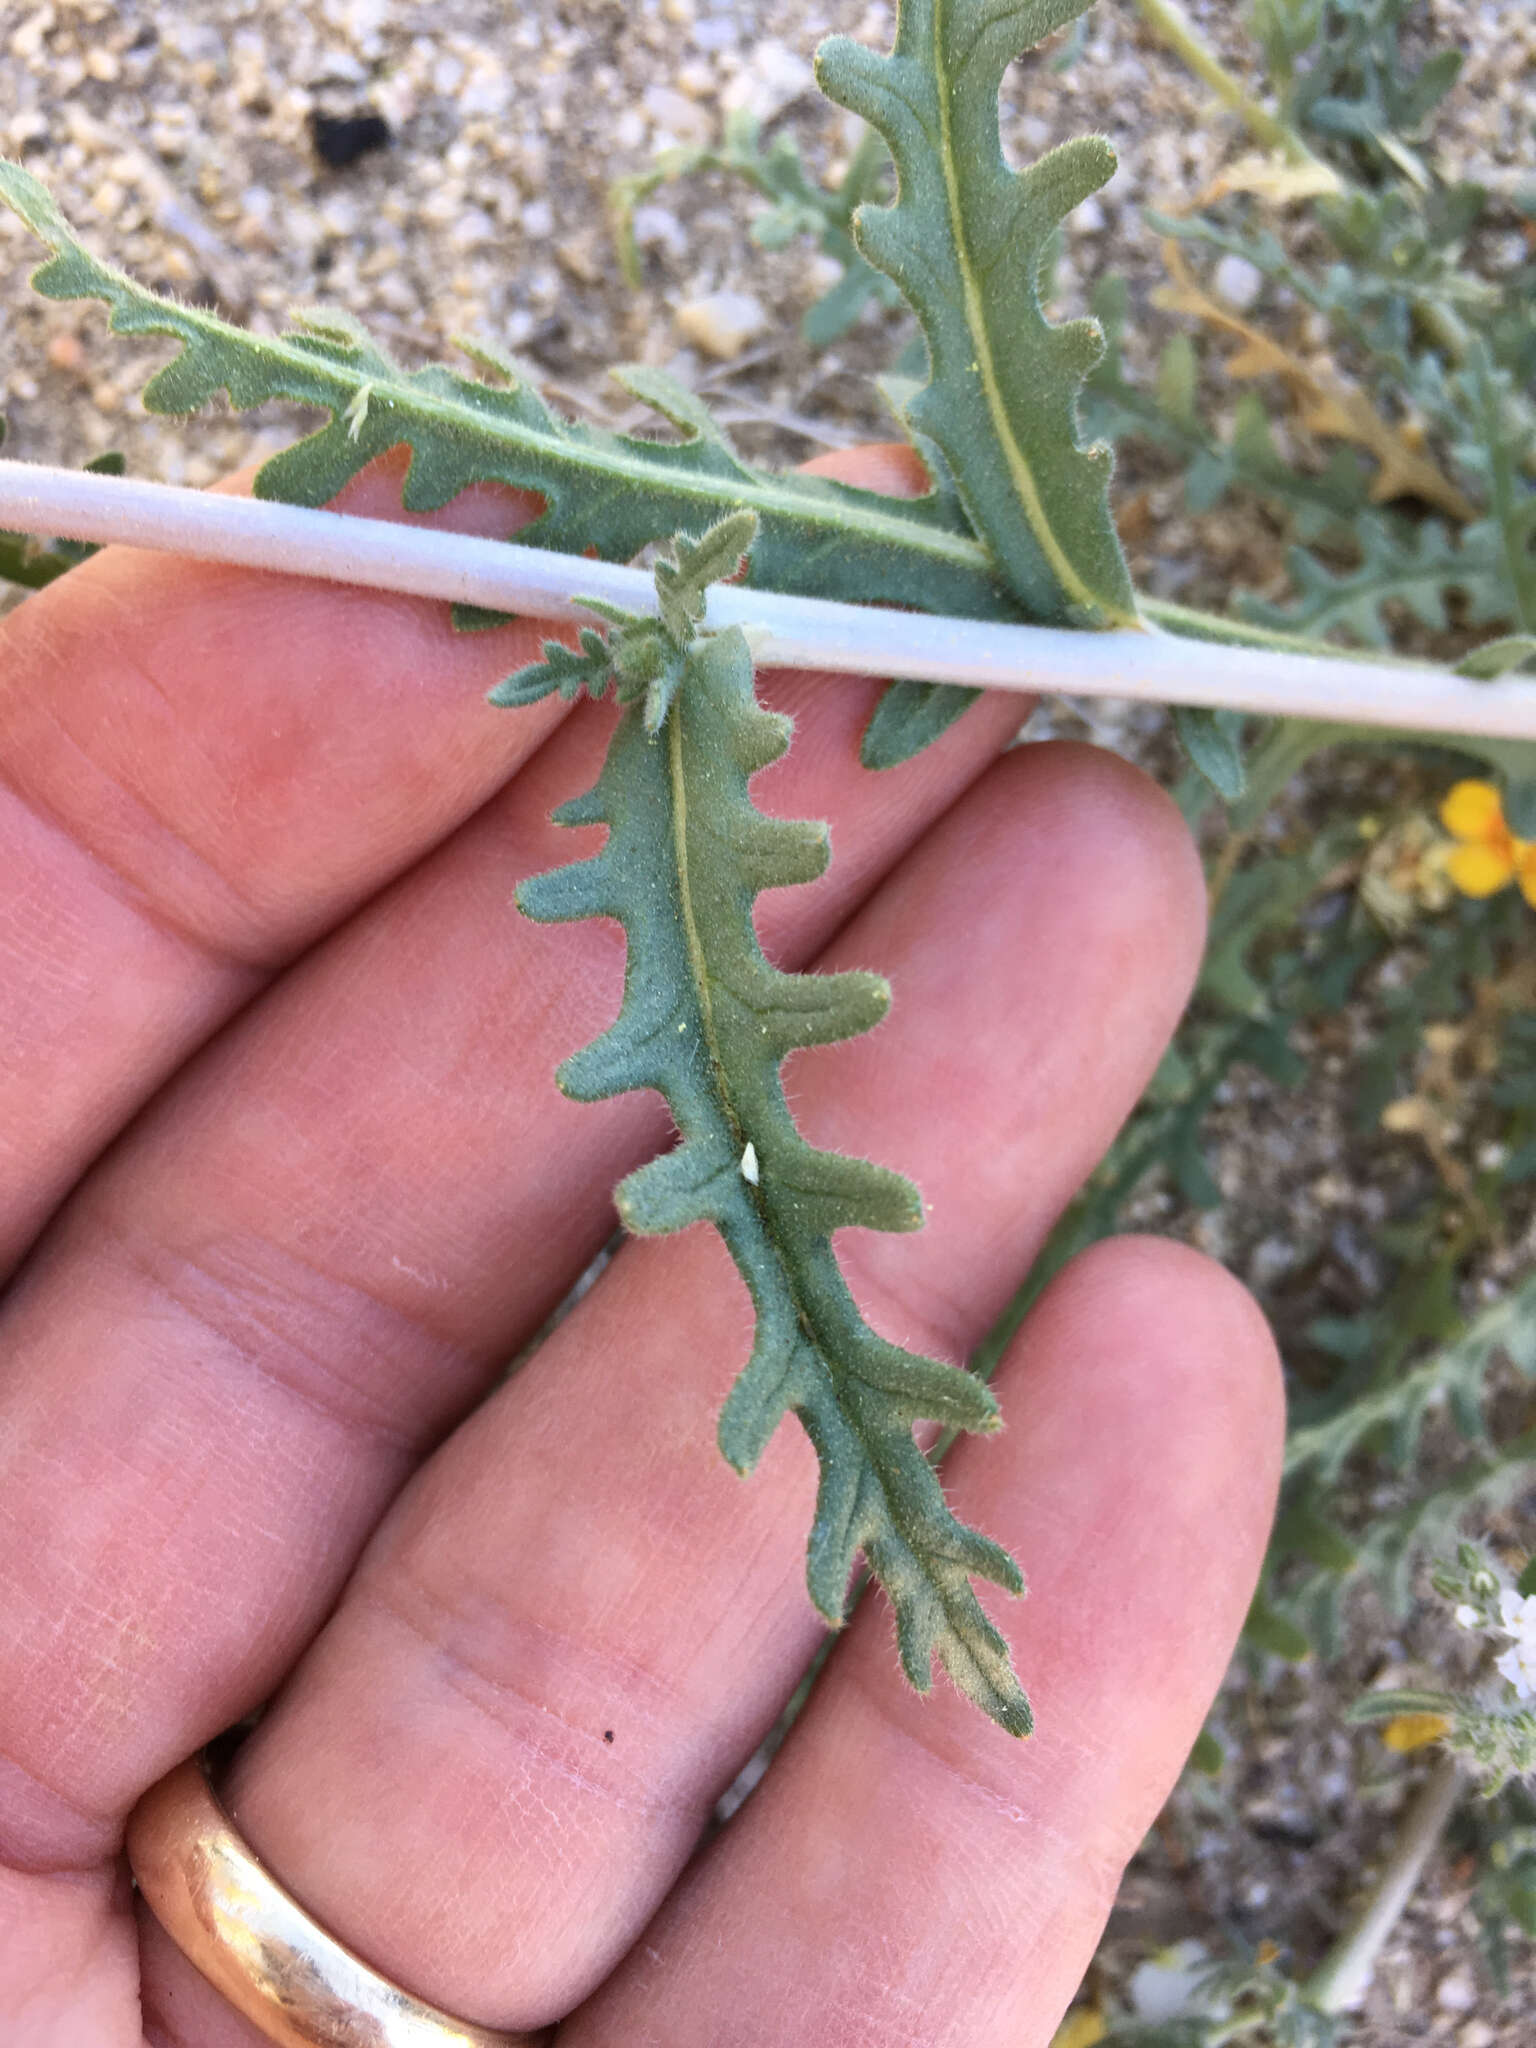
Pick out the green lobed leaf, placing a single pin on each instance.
(966, 240)
(609, 493)
(909, 717)
(1455, 1374)
(707, 1021)
(1495, 658)
(644, 654)
(566, 670)
(1414, 567)
(1213, 741)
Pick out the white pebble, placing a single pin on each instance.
(1238, 281)
(771, 77)
(656, 227)
(721, 323)
(676, 116)
(1456, 1993)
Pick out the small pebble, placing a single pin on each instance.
(65, 351)
(657, 227)
(340, 141)
(771, 77)
(1456, 1993)
(1238, 282)
(721, 323)
(673, 114)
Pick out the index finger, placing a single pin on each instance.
(202, 769)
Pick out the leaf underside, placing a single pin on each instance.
(909, 717)
(966, 242)
(706, 1021)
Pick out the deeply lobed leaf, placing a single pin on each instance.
(609, 493)
(644, 656)
(966, 241)
(706, 1021)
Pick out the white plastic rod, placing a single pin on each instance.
(786, 632)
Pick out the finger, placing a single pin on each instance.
(201, 769)
(309, 1258)
(968, 1878)
(579, 1563)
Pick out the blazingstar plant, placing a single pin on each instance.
(1015, 526)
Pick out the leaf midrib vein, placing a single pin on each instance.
(772, 497)
(1018, 463)
(901, 1524)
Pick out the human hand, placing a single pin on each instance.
(285, 1180)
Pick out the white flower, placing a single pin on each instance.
(1467, 1617)
(1517, 1618)
(1519, 1667)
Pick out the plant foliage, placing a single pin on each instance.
(610, 493)
(1401, 466)
(1452, 1376)
(798, 205)
(966, 240)
(707, 1022)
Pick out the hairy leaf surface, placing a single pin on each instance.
(606, 492)
(966, 241)
(909, 717)
(706, 1021)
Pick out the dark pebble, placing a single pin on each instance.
(341, 140)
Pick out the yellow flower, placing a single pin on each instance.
(1413, 1731)
(1489, 856)
(1081, 2028)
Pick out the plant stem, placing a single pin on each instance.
(786, 631)
(1169, 21)
(1341, 1981)
(1282, 753)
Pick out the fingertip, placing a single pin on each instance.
(1219, 1375)
(1123, 843)
(893, 468)
(1146, 1385)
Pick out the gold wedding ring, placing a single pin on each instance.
(256, 1945)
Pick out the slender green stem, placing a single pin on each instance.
(1168, 21)
(1282, 753)
(1340, 1982)
(1196, 625)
